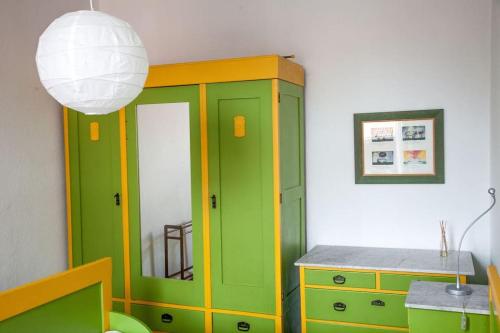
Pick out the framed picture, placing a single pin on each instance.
(405, 147)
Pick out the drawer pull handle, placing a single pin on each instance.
(167, 318)
(339, 306)
(243, 326)
(339, 279)
(378, 303)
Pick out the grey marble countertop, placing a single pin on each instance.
(433, 296)
(387, 259)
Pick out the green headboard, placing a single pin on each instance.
(77, 301)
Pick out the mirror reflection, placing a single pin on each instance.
(165, 190)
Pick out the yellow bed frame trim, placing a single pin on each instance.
(494, 281)
(35, 294)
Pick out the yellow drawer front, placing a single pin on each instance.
(171, 320)
(313, 327)
(402, 282)
(228, 323)
(356, 307)
(340, 278)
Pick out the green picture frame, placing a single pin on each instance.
(403, 147)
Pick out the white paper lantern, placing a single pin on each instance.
(91, 62)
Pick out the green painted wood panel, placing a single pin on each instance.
(241, 177)
(79, 312)
(427, 321)
(313, 327)
(171, 291)
(352, 279)
(292, 181)
(170, 320)
(95, 179)
(402, 282)
(358, 307)
(225, 323)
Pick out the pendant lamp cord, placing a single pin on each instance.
(91, 5)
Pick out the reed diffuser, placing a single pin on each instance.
(444, 244)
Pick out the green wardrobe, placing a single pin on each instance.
(196, 190)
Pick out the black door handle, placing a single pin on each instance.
(167, 318)
(214, 201)
(378, 302)
(339, 279)
(243, 326)
(117, 198)
(339, 306)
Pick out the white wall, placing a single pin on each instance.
(32, 199)
(359, 56)
(495, 125)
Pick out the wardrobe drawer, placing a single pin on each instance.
(340, 278)
(402, 282)
(170, 320)
(226, 323)
(335, 328)
(356, 307)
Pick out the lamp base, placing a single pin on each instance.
(462, 290)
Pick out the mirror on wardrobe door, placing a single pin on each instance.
(165, 190)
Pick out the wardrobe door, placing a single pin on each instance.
(94, 143)
(241, 188)
(164, 182)
(292, 182)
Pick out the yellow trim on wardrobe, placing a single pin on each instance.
(226, 70)
(278, 325)
(68, 188)
(125, 216)
(494, 282)
(377, 280)
(290, 71)
(35, 294)
(277, 204)
(302, 284)
(244, 313)
(168, 305)
(392, 328)
(205, 206)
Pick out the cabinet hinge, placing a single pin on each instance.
(281, 198)
(279, 97)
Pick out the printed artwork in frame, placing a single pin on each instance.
(405, 147)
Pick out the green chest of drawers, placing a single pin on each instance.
(340, 296)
